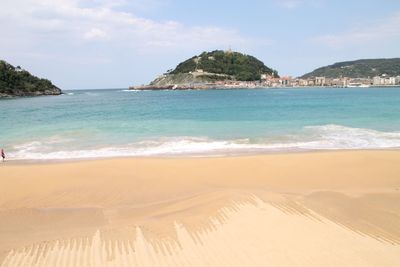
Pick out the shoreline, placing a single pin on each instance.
(190, 156)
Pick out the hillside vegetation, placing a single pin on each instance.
(233, 65)
(15, 81)
(362, 68)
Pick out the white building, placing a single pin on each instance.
(385, 80)
(377, 80)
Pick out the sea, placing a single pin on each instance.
(119, 123)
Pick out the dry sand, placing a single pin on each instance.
(305, 209)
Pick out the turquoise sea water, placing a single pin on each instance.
(106, 123)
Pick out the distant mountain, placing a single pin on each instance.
(362, 68)
(215, 66)
(15, 81)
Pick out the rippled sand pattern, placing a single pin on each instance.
(251, 235)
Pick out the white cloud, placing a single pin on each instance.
(77, 22)
(382, 31)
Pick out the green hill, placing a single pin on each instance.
(241, 67)
(15, 81)
(362, 68)
(217, 65)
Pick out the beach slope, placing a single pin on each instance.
(299, 209)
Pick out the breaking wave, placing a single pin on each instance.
(325, 137)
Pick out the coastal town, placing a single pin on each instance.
(269, 81)
(288, 81)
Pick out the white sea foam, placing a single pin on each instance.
(130, 90)
(341, 137)
(311, 138)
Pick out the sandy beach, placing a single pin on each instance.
(299, 209)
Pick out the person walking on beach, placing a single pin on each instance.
(3, 155)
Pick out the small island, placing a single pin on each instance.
(216, 69)
(16, 82)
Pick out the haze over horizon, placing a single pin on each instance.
(109, 44)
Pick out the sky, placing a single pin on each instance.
(85, 44)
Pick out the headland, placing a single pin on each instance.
(228, 69)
